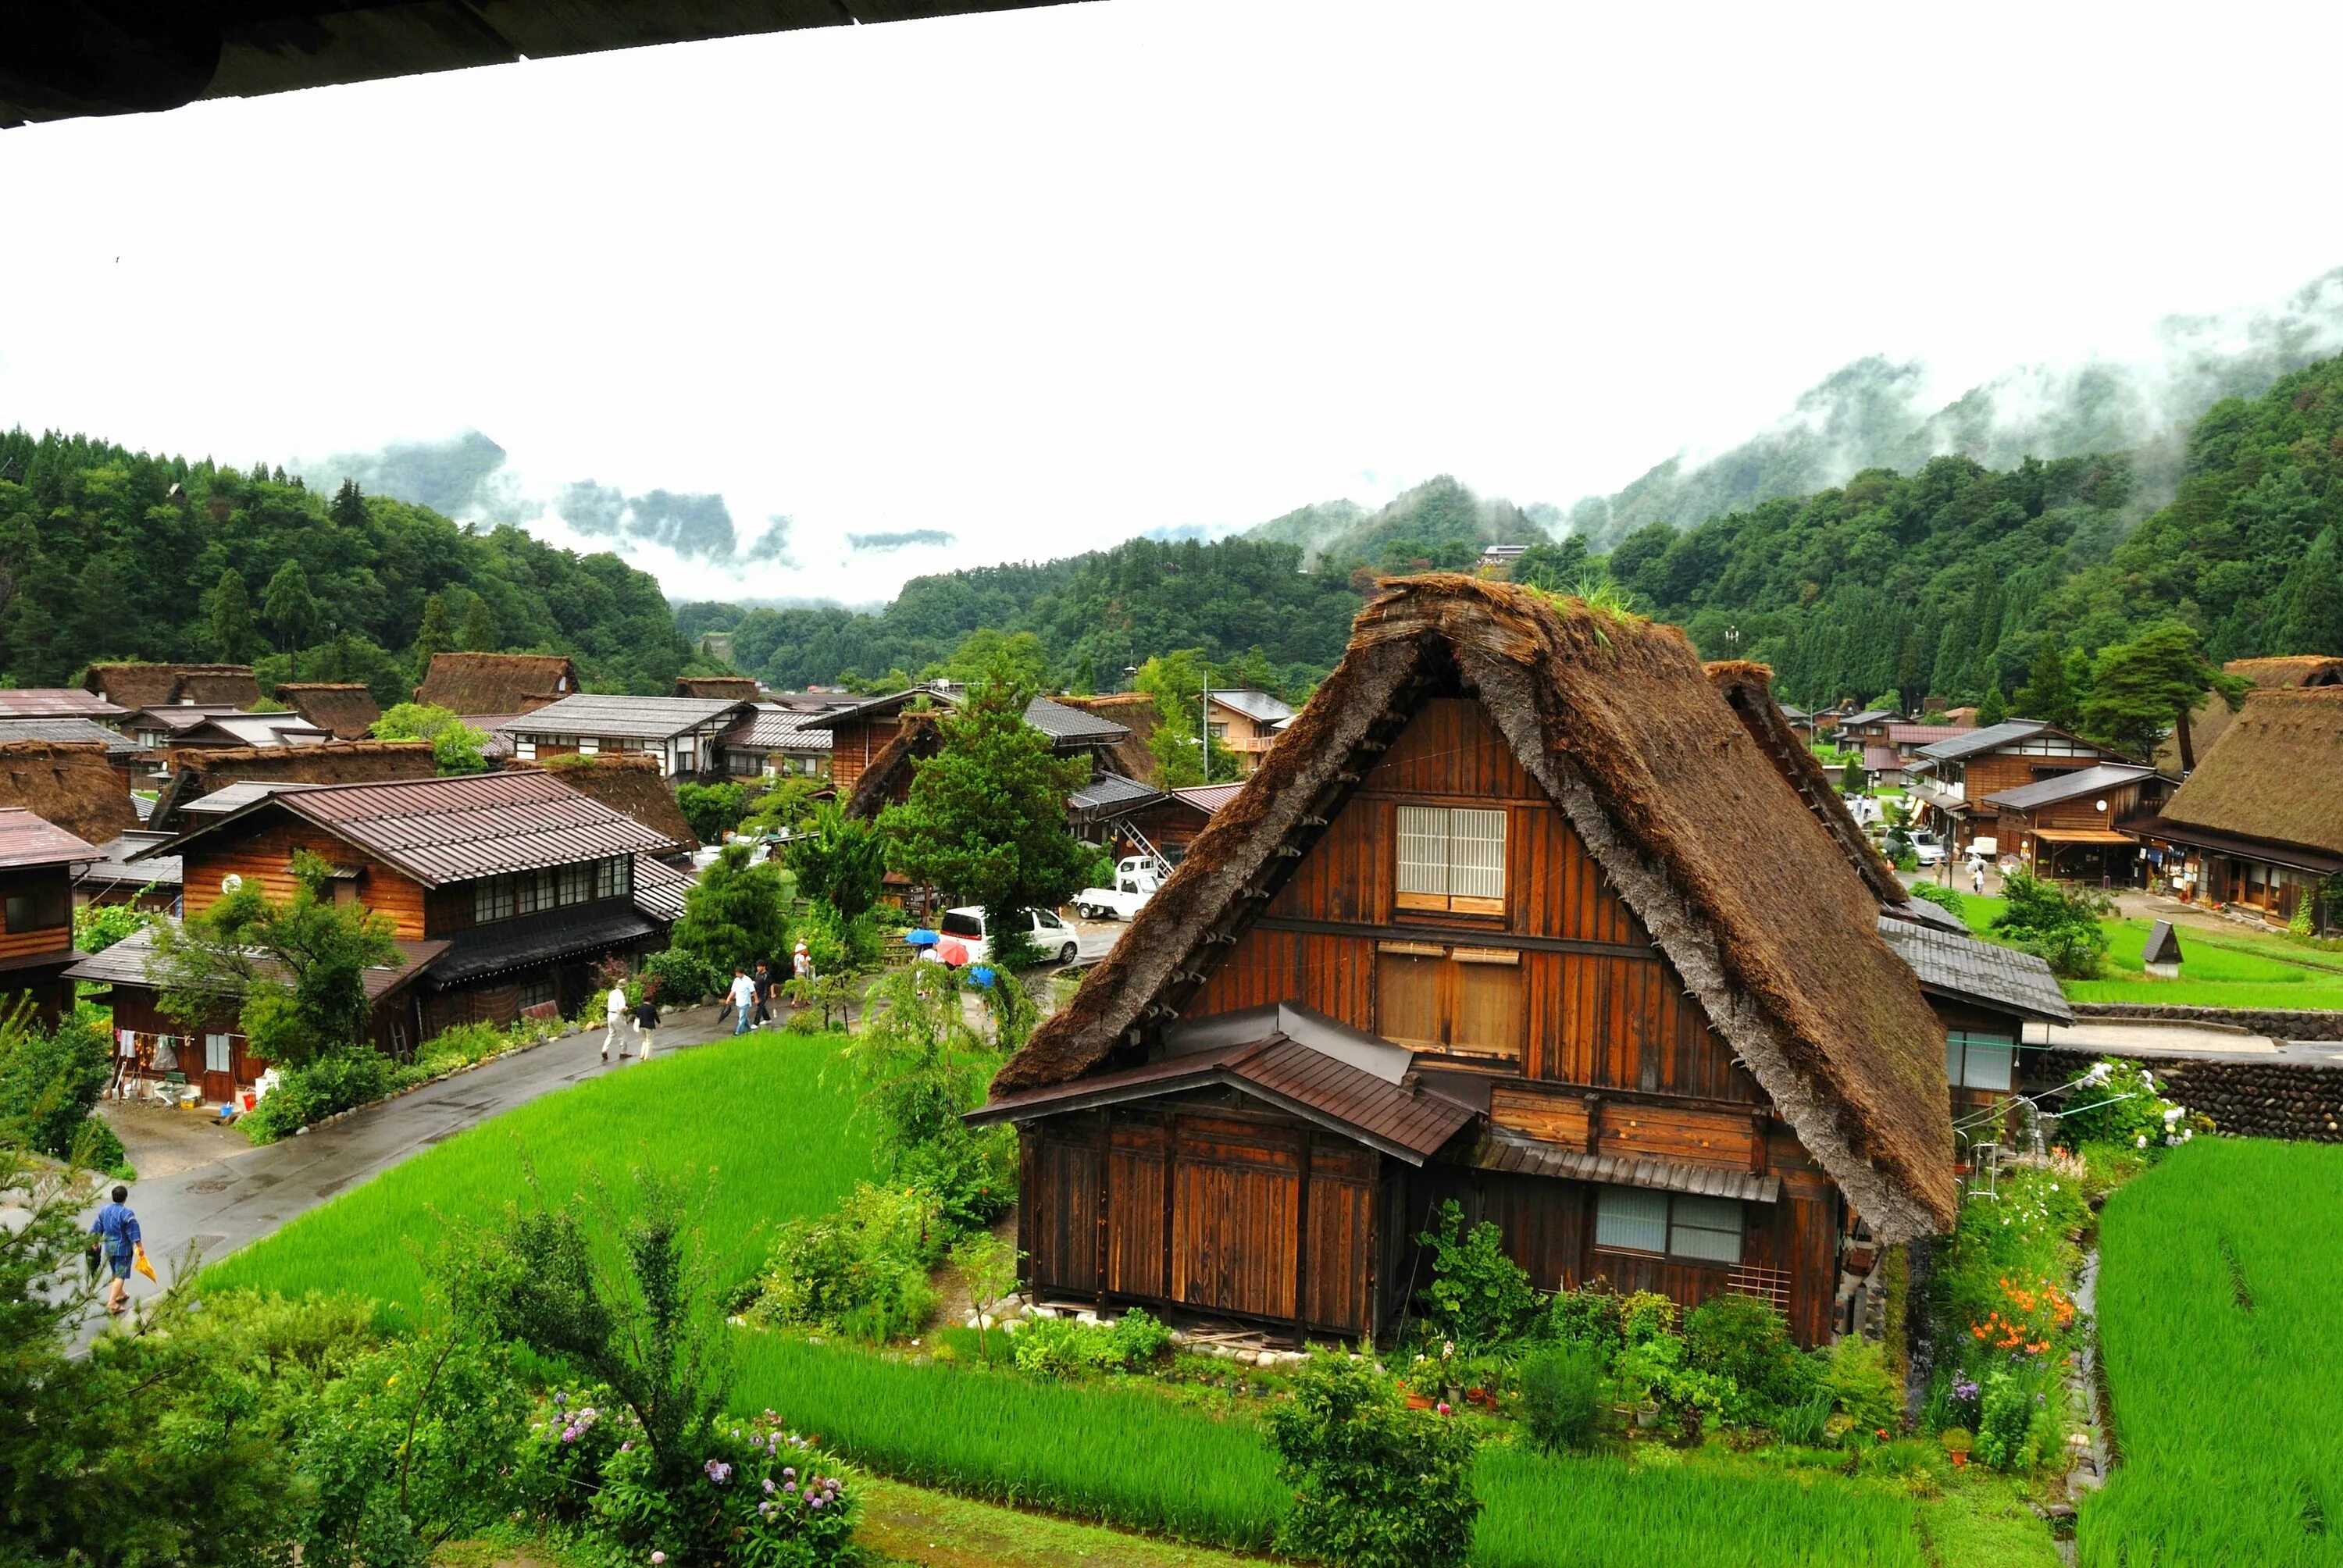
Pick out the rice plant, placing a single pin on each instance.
(2218, 1284)
(750, 1119)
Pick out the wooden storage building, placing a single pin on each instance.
(1950, 780)
(345, 709)
(136, 686)
(75, 785)
(37, 933)
(2066, 826)
(1522, 915)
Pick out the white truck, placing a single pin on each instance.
(1136, 878)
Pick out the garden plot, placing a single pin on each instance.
(752, 1120)
(2219, 1287)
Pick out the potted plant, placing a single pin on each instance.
(1956, 1444)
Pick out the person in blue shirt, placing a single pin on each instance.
(117, 1227)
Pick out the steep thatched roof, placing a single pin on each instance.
(731, 687)
(1135, 712)
(68, 784)
(347, 708)
(2274, 775)
(626, 781)
(2211, 719)
(917, 739)
(159, 685)
(328, 762)
(1749, 689)
(1741, 888)
(500, 683)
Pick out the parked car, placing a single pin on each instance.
(1050, 936)
(1927, 847)
(1136, 878)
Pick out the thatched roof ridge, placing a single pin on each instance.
(2274, 775)
(500, 683)
(1135, 712)
(1741, 887)
(346, 707)
(135, 686)
(628, 781)
(731, 687)
(328, 762)
(1749, 689)
(68, 784)
(2213, 716)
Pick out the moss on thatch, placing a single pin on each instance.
(2276, 774)
(347, 708)
(328, 762)
(68, 784)
(626, 781)
(1741, 886)
(136, 686)
(729, 687)
(497, 683)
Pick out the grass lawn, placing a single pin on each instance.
(752, 1116)
(2217, 970)
(2217, 1288)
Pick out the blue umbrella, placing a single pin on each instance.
(922, 938)
(980, 976)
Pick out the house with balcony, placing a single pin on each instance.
(683, 734)
(1950, 780)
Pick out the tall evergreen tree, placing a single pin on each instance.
(2310, 616)
(2155, 680)
(292, 611)
(433, 637)
(230, 609)
(480, 633)
(1993, 709)
(348, 506)
(2046, 693)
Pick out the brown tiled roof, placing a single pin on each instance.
(626, 781)
(128, 961)
(468, 683)
(55, 703)
(1501, 1149)
(444, 830)
(347, 710)
(68, 783)
(2274, 775)
(29, 840)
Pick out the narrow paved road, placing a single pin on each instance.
(218, 1204)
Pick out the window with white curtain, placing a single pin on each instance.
(1679, 1224)
(1980, 1060)
(1632, 1218)
(1451, 858)
(218, 1052)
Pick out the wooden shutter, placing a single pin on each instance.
(1485, 1018)
(1407, 996)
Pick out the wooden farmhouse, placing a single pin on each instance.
(37, 933)
(58, 702)
(192, 726)
(73, 784)
(495, 685)
(124, 755)
(344, 709)
(526, 882)
(775, 742)
(682, 733)
(2066, 826)
(2212, 717)
(883, 736)
(731, 687)
(1135, 712)
(1168, 825)
(1951, 780)
(2258, 826)
(1521, 914)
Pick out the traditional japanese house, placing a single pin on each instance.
(1135, 712)
(136, 686)
(344, 709)
(774, 742)
(59, 702)
(1951, 779)
(37, 932)
(682, 733)
(495, 685)
(2213, 715)
(626, 781)
(731, 687)
(122, 754)
(1867, 726)
(2259, 824)
(198, 774)
(2065, 826)
(128, 870)
(189, 727)
(529, 881)
(1167, 825)
(1243, 723)
(71, 784)
(863, 736)
(1520, 915)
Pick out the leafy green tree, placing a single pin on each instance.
(1376, 1484)
(480, 633)
(712, 809)
(50, 1081)
(1993, 709)
(2047, 695)
(735, 916)
(2312, 619)
(433, 637)
(1555, 567)
(292, 609)
(986, 817)
(841, 862)
(1176, 681)
(299, 967)
(1017, 659)
(2064, 928)
(229, 607)
(2152, 682)
(456, 745)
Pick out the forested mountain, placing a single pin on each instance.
(1947, 580)
(1439, 523)
(107, 554)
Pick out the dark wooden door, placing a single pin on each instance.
(1235, 1211)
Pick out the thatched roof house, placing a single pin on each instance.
(68, 784)
(2213, 716)
(200, 772)
(628, 781)
(346, 707)
(134, 685)
(2263, 813)
(1135, 712)
(1746, 894)
(731, 687)
(497, 683)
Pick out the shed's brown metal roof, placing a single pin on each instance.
(29, 840)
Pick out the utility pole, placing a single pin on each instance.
(1204, 726)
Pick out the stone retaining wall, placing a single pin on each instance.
(2307, 1024)
(2248, 1096)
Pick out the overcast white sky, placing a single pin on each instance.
(1049, 278)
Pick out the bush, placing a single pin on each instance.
(1064, 1347)
(1943, 898)
(304, 1096)
(679, 977)
(1478, 1296)
(862, 1270)
(1746, 1340)
(1806, 1424)
(2118, 1101)
(1588, 1317)
(51, 1083)
(1863, 1386)
(2017, 1429)
(969, 1172)
(1376, 1484)
(1562, 1397)
(2061, 927)
(712, 809)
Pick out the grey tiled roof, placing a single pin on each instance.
(1964, 967)
(1256, 705)
(1984, 739)
(1109, 790)
(66, 728)
(777, 729)
(2068, 785)
(623, 717)
(1060, 722)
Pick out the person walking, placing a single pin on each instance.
(1976, 877)
(645, 1023)
(614, 1013)
(116, 1229)
(763, 981)
(744, 997)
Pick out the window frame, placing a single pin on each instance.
(1413, 830)
(1959, 1042)
(1677, 1210)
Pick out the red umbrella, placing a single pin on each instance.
(952, 953)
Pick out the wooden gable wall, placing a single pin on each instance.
(260, 851)
(1605, 1009)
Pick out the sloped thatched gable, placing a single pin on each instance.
(626, 781)
(1741, 888)
(136, 686)
(500, 683)
(69, 784)
(729, 687)
(2276, 775)
(347, 708)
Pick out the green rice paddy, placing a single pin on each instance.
(751, 1121)
(2218, 969)
(2219, 1285)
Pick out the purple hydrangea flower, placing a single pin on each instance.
(718, 1471)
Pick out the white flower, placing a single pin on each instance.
(2140, 1141)
(2173, 1115)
